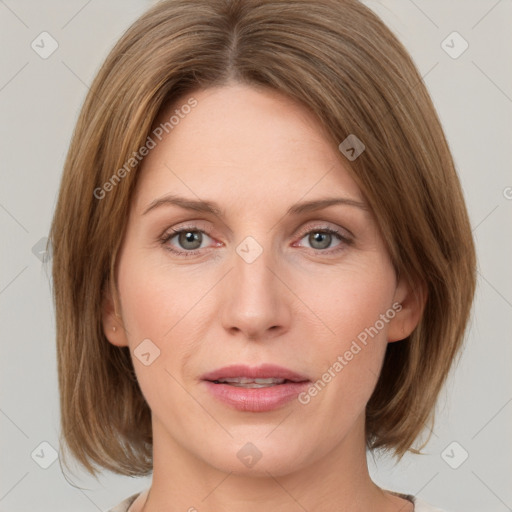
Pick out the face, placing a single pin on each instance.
(248, 243)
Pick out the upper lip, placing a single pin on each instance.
(264, 371)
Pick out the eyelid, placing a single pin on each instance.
(187, 225)
(324, 226)
(173, 231)
(320, 225)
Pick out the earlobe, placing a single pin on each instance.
(412, 299)
(111, 321)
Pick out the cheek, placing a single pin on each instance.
(154, 307)
(155, 300)
(169, 308)
(356, 306)
(353, 300)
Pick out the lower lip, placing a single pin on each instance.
(256, 399)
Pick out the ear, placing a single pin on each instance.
(412, 299)
(112, 322)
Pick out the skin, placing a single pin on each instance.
(300, 305)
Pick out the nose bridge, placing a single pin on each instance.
(253, 279)
(255, 297)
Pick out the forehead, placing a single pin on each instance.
(252, 142)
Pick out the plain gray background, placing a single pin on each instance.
(39, 101)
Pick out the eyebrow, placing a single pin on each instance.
(213, 208)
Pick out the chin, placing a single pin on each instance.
(259, 458)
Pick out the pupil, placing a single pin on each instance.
(320, 240)
(188, 239)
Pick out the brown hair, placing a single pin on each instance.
(337, 58)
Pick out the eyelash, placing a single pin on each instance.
(166, 237)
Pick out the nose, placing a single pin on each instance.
(257, 304)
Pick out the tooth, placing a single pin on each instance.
(248, 380)
(253, 385)
(269, 381)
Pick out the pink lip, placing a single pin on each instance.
(264, 371)
(256, 399)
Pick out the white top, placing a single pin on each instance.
(423, 506)
(419, 504)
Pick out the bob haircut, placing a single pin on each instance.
(338, 59)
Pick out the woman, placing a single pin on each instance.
(263, 264)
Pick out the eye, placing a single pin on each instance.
(190, 240)
(321, 239)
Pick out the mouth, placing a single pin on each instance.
(255, 389)
(265, 375)
(248, 383)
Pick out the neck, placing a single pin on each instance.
(338, 480)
